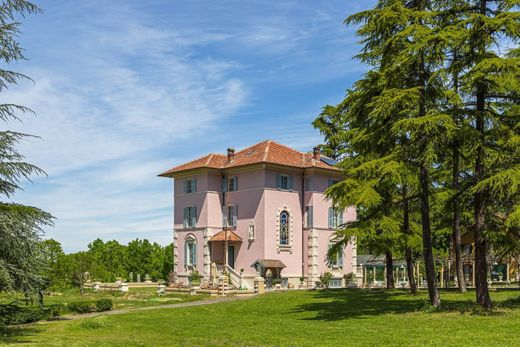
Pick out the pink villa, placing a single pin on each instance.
(258, 211)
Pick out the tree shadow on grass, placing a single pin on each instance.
(331, 305)
(341, 304)
(15, 334)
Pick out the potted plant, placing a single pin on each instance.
(194, 278)
(302, 282)
(350, 280)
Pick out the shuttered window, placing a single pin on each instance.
(190, 216)
(190, 185)
(190, 252)
(309, 216)
(230, 216)
(233, 184)
(284, 182)
(335, 218)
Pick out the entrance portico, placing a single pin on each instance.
(224, 248)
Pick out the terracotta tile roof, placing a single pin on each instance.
(269, 263)
(263, 152)
(224, 235)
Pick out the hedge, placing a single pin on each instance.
(90, 306)
(13, 314)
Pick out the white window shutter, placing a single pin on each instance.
(186, 246)
(331, 217)
(186, 216)
(194, 254)
(194, 216)
(224, 219)
(235, 215)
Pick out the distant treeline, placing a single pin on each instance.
(107, 262)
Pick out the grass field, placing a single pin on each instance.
(297, 318)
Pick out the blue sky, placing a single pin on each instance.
(126, 89)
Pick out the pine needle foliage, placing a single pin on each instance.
(21, 227)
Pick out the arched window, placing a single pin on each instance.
(284, 228)
(190, 251)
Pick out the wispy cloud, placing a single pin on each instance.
(126, 89)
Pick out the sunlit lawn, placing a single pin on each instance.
(297, 318)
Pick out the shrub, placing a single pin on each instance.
(325, 279)
(13, 314)
(90, 306)
(104, 305)
(82, 306)
(57, 309)
(350, 279)
(195, 277)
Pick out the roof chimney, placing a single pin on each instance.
(316, 151)
(230, 154)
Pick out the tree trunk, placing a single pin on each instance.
(457, 246)
(424, 182)
(481, 266)
(408, 250)
(389, 270)
(410, 270)
(429, 264)
(456, 236)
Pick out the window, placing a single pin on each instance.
(335, 218)
(284, 182)
(190, 251)
(337, 260)
(309, 184)
(190, 217)
(309, 216)
(333, 181)
(233, 184)
(284, 228)
(190, 185)
(230, 216)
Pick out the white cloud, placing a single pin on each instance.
(106, 115)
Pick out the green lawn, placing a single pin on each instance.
(297, 318)
(135, 297)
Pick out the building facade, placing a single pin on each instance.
(260, 210)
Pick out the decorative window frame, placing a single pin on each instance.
(190, 238)
(289, 247)
(340, 256)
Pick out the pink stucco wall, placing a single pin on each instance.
(259, 202)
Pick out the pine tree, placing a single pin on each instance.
(490, 88)
(21, 258)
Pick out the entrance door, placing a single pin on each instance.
(231, 255)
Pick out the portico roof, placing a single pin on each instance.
(225, 235)
(269, 263)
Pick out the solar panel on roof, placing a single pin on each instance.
(328, 161)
